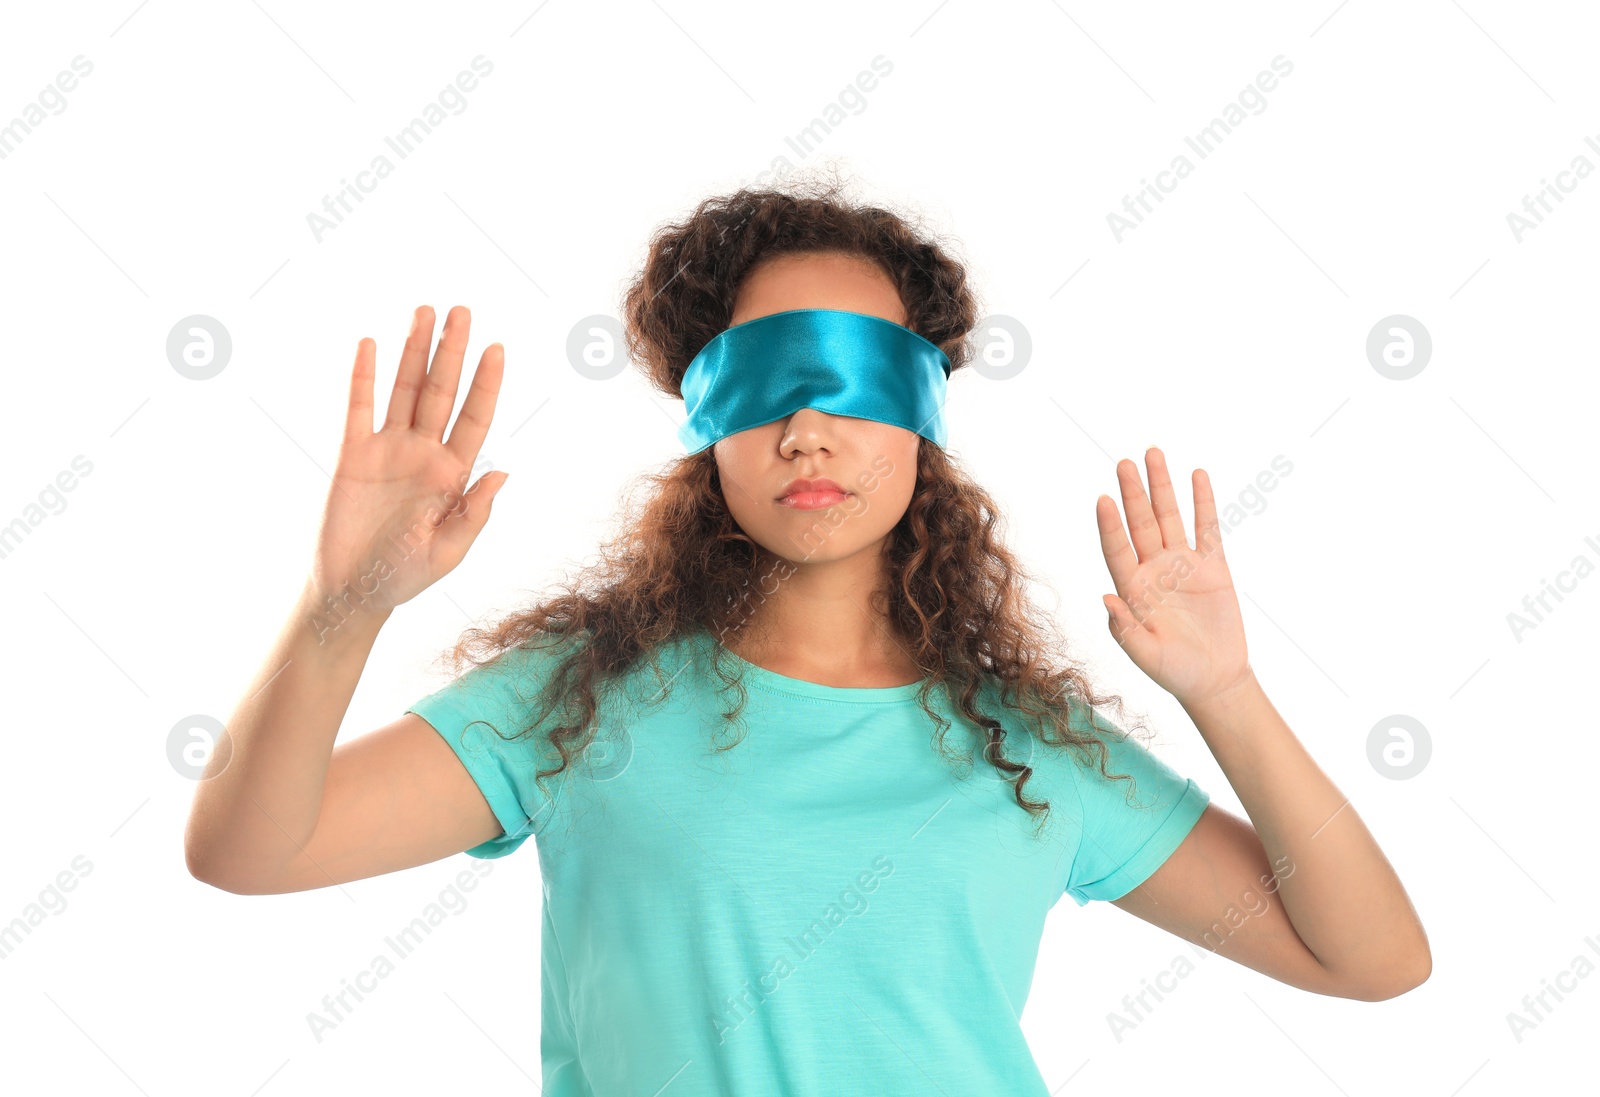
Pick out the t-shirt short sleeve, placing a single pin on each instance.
(1121, 843)
(503, 693)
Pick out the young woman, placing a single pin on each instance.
(803, 776)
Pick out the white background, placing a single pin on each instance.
(1229, 328)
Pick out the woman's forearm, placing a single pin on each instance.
(259, 799)
(1340, 892)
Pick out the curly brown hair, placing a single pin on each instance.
(955, 596)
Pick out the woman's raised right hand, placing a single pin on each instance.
(399, 515)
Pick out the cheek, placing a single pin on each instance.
(733, 464)
(891, 473)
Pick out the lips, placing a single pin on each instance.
(797, 487)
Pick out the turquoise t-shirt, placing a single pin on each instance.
(828, 907)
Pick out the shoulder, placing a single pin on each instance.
(509, 680)
(1069, 762)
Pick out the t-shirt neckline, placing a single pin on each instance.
(772, 681)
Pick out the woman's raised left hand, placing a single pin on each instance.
(1175, 611)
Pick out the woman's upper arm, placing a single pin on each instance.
(1217, 890)
(394, 798)
(457, 772)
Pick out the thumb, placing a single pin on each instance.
(479, 502)
(1130, 633)
(1120, 619)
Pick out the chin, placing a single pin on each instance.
(819, 545)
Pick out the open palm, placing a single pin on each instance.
(1175, 611)
(399, 513)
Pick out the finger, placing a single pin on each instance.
(438, 395)
(477, 411)
(1164, 501)
(1141, 519)
(1120, 560)
(413, 370)
(1207, 531)
(358, 417)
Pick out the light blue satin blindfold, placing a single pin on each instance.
(843, 363)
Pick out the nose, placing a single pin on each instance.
(807, 431)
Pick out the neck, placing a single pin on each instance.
(821, 623)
